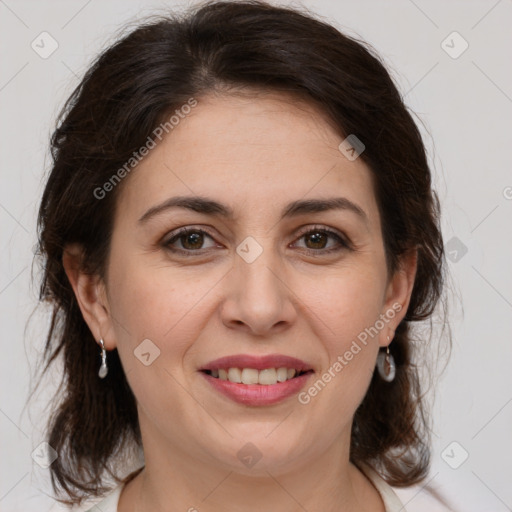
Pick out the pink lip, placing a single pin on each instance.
(257, 362)
(258, 394)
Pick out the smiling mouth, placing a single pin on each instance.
(265, 377)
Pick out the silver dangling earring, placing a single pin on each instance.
(386, 365)
(103, 368)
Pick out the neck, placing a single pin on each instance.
(173, 480)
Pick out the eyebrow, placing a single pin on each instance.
(210, 207)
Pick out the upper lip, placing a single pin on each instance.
(257, 362)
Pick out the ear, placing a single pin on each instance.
(398, 295)
(90, 292)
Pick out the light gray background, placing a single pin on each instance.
(466, 105)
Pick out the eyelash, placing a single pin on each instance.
(344, 243)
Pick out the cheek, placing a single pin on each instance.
(167, 307)
(348, 308)
(347, 302)
(344, 306)
(159, 303)
(143, 305)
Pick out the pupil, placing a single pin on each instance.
(196, 239)
(317, 239)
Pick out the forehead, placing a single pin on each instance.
(257, 151)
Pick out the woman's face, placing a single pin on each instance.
(255, 283)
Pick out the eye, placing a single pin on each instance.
(317, 241)
(190, 239)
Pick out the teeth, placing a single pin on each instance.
(265, 377)
(249, 376)
(282, 374)
(235, 375)
(268, 376)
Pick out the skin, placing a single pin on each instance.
(254, 153)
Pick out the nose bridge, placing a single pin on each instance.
(259, 298)
(256, 265)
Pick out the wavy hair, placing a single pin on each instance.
(130, 88)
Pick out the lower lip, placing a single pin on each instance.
(258, 394)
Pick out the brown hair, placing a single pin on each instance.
(127, 92)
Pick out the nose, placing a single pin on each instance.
(258, 299)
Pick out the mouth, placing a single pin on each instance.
(257, 380)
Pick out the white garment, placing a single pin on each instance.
(389, 497)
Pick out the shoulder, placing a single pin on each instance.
(106, 504)
(404, 499)
(391, 501)
(424, 498)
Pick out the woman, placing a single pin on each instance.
(240, 221)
